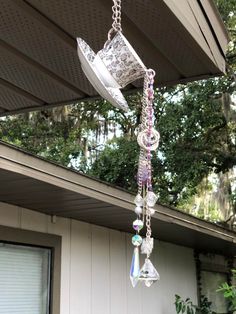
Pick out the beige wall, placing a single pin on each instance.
(95, 267)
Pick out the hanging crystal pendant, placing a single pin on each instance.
(135, 267)
(148, 273)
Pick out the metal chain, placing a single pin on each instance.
(149, 112)
(116, 17)
(148, 224)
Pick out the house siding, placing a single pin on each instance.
(95, 267)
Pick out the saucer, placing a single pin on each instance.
(99, 76)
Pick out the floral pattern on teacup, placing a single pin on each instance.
(117, 99)
(88, 52)
(122, 63)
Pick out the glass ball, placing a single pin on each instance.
(137, 240)
(138, 224)
(138, 210)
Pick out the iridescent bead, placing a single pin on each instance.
(138, 210)
(137, 240)
(138, 224)
(151, 198)
(135, 267)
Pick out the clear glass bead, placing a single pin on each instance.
(147, 246)
(138, 200)
(151, 199)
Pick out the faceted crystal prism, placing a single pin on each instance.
(151, 198)
(138, 225)
(147, 246)
(148, 273)
(137, 240)
(135, 267)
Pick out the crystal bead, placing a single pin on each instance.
(137, 240)
(138, 224)
(147, 246)
(138, 200)
(151, 211)
(138, 210)
(151, 199)
(148, 273)
(135, 267)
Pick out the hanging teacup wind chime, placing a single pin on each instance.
(112, 68)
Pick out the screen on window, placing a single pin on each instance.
(24, 279)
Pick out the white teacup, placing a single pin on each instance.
(121, 60)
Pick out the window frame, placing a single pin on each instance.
(29, 238)
(211, 267)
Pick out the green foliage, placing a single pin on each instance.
(205, 306)
(187, 306)
(184, 306)
(229, 292)
(117, 163)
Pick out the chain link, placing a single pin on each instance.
(148, 224)
(116, 17)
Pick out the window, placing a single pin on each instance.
(212, 271)
(25, 279)
(210, 283)
(30, 267)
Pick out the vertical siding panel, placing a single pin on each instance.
(80, 290)
(32, 220)
(9, 215)
(62, 228)
(179, 275)
(134, 295)
(118, 272)
(100, 271)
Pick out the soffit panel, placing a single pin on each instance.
(152, 19)
(22, 31)
(23, 75)
(165, 34)
(11, 100)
